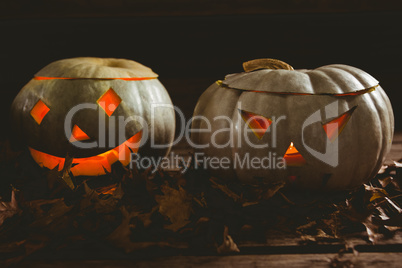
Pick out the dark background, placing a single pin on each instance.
(191, 44)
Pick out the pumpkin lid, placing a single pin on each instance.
(98, 68)
(329, 79)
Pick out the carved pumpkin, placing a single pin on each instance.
(332, 126)
(96, 110)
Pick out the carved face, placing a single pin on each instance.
(332, 126)
(96, 120)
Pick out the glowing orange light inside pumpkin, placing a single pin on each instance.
(39, 111)
(334, 127)
(109, 101)
(78, 135)
(293, 157)
(359, 92)
(76, 78)
(94, 165)
(257, 123)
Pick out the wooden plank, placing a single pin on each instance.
(390, 259)
(282, 244)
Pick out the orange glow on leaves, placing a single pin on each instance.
(334, 127)
(257, 123)
(109, 101)
(110, 189)
(78, 135)
(94, 165)
(293, 157)
(39, 111)
(283, 93)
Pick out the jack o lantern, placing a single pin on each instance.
(324, 129)
(95, 110)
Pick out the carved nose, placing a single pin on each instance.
(78, 135)
(292, 157)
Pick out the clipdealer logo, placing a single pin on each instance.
(271, 160)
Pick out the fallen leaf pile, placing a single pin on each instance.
(133, 210)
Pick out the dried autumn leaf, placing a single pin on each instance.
(228, 245)
(397, 164)
(376, 192)
(36, 206)
(384, 182)
(391, 217)
(8, 209)
(273, 189)
(321, 236)
(118, 192)
(120, 237)
(224, 189)
(176, 205)
(66, 172)
(32, 244)
(394, 205)
(372, 230)
(383, 169)
(109, 189)
(57, 210)
(91, 200)
(52, 178)
(307, 225)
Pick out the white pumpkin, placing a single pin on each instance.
(332, 125)
(108, 89)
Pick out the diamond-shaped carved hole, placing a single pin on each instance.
(78, 135)
(334, 127)
(109, 101)
(257, 123)
(293, 157)
(39, 111)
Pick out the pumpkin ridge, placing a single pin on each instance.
(343, 78)
(318, 75)
(373, 114)
(390, 113)
(354, 72)
(384, 126)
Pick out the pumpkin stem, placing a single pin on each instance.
(257, 64)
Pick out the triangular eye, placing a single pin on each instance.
(293, 157)
(257, 123)
(78, 135)
(334, 127)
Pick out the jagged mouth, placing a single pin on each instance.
(94, 165)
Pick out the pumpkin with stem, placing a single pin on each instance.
(324, 129)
